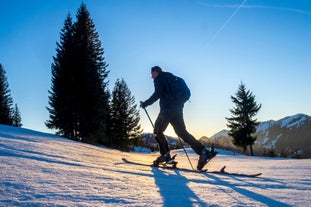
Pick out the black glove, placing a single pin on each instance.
(142, 105)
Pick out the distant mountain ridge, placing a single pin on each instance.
(290, 136)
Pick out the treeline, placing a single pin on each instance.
(9, 113)
(81, 107)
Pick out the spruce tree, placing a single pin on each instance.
(63, 94)
(17, 119)
(125, 128)
(79, 99)
(91, 73)
(241, 124)
(6, 102)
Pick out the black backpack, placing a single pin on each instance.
(179, 91)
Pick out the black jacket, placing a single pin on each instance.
(162, 92)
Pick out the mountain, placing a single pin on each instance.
(287, 137)
(39, 169)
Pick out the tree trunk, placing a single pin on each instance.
(251, 149)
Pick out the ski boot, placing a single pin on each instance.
(205, 157)
(165, 159)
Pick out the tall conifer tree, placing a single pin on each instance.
(241, 124)
(91, 74)
(6, 102)
(79, 97)
(62, 96)
(125, 118)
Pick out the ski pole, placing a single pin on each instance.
(178, 138)
(186, 153)
(149, 117)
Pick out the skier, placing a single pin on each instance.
(171, 112)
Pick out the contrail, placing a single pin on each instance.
(225, 24)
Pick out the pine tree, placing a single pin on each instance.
(91, 74)
(125, 128)
(241, 124)
(62, 94)
(79, 99)
(6, 102)
(17, 119)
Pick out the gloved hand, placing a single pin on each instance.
(142, 105)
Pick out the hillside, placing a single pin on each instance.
(290, 136)
(39, 169)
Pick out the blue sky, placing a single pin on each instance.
(212, 44)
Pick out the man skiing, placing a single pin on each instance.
(171, 112)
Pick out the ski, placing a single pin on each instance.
(223, 172)
(173, 167)
(163, 166)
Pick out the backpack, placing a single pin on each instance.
(179, 91)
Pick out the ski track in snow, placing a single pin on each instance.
(39, 169)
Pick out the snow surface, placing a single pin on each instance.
(39, 169)
(221, 133)
(294, 120)
(264, 126)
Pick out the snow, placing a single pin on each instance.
(39, 169)
(221, 133)
(264, 126)
(291, 121)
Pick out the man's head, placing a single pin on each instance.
(155, 70)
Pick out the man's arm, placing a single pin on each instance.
(158, 88)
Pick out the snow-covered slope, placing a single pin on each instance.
(39, 169)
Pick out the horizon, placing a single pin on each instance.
(213, 45)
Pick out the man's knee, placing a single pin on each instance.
(157, 131)
(158, 134)
(181, 132)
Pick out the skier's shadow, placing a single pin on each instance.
(247, 193)
(174, 189)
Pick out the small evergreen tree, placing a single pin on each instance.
(125, 128)
(17, 119)
(241, 124)
(6, 102)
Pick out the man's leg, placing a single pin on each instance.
(179, 126)
(159, 128)
(177, 120)
(178, 123)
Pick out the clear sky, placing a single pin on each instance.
(212, 44)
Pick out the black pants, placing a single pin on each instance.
(175, 118)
